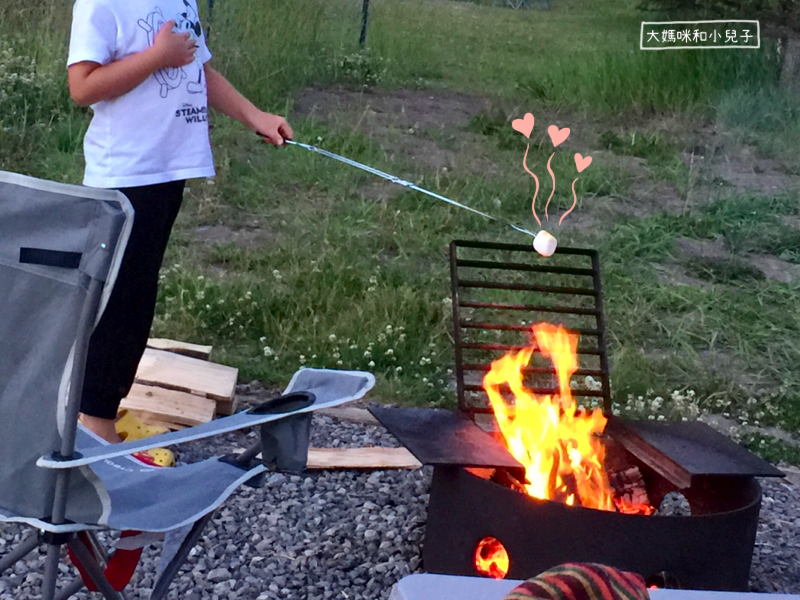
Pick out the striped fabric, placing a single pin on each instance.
(582, 581)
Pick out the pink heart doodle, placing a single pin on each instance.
(581, 163)
(524, 126)
(557, 135)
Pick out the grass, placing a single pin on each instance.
(627, 80)
(735, 338)
(722, 270)
(336, 278)
(751, 224)
(767, 117)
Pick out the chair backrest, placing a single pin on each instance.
(55, 239)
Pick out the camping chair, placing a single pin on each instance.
(60, 249)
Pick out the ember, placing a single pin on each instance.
(557, 443)
(491, 558)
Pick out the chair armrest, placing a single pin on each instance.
(358, 384)
(99, 453)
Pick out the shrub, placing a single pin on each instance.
(779, 12)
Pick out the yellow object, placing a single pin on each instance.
(161, 456)
(130, 428)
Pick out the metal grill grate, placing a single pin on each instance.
(500, 290)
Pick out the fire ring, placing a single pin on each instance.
(491, 558)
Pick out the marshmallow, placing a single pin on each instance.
(544, 243)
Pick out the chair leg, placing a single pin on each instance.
(97, 546)
(51, 571)
(171, 570)
(26, 546)
(89, 563)
(76, 584)
(70, 589)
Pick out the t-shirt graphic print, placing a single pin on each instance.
(171, 78)
(158, 131)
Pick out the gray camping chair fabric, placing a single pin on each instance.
(331, 388)
(131, 495)
(60, 250)
(54, 240)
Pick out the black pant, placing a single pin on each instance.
(119, 340)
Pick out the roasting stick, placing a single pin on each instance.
(543, 247)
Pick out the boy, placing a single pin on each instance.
(143, 67)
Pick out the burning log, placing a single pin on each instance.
(555, 441)
(503, 477)
(630, 490)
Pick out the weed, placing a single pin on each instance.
(767, 117)
(651, 146)
(363, 68)
(496, 124)
(771, 448)
(749, 224)
(35, 112)
(722, 270)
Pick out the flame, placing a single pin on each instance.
(491, 558)
(556, 443)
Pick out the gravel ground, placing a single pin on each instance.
(348, 535)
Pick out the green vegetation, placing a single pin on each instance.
(771, 448)
(288, 258)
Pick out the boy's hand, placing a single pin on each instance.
(173, 49)
(272, 128)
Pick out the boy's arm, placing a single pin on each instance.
(223, 97)
(90, 82)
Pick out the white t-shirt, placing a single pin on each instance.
(158, 131)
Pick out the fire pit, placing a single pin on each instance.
(558, 478)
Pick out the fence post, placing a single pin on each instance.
(365, 11)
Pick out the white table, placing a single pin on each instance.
(427, 586)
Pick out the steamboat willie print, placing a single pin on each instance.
(172, 77)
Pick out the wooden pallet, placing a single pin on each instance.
(193, 350)
(361, 458)
(368, 458)
(178, 387)
(158, 405)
